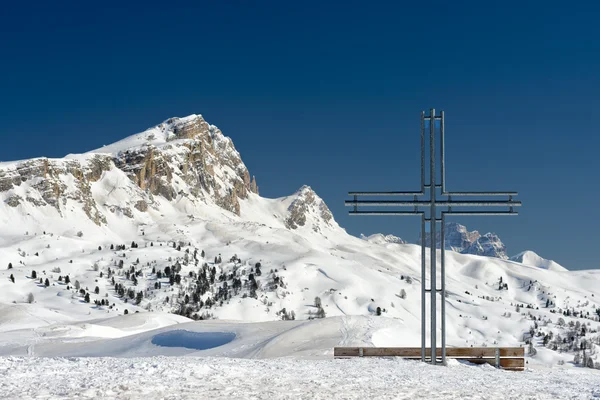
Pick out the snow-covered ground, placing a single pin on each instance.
(281, 378)
(276, 360)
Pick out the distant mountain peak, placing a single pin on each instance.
(379, 238)
(459, 239)
(307, 208)
(531, 259)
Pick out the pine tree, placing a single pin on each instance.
(202, 254)
(257, 269)
(9, 265)
(12, 278)
(378, 312)
(318, 302)
(33, 275)
(47, 282)
(97, 290)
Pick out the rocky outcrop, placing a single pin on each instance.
(458, 238)
(308, 209)
(180, 157)
(48, 183)
(196, 155)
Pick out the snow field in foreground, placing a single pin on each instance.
(282, 378)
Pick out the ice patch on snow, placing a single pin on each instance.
(193, 340)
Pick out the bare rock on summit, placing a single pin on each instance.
(308, 207)
(179, 158)
(459, 239)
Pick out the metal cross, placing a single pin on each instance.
(420, 208)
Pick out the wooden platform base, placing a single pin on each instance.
(508, 358)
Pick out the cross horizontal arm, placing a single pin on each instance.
(480, 212)
(440, 203)
(386, 193)
(480, 193)
(429, 219)
(386, 212)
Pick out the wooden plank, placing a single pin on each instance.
(512, 351)
(392, 352)
(345, 351)
(415, 352)
(517, 363)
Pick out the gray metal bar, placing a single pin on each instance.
(497, 357)
(442, 203)
(432, 233)
(480, 193)
(443, 161)
(423, 276)
(385, 212)
(461, 213)
(464, 213)
(423, 152)
(443, 291)
(386, 193)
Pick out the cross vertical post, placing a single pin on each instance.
(420, 207)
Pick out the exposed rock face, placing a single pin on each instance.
(459, 239)
(182, 157)
(308, 209)
(488, 245)
(48, 183)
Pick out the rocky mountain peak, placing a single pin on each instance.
(459, 239)
(181, 158)
(308, 209)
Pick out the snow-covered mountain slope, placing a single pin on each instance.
(533, 260)
(168, 221)
(383, 239)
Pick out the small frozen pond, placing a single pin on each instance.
(193, 340)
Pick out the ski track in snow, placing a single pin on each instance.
(282, 378)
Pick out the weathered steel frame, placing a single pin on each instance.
(432, 203)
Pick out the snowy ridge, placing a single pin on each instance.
(533, 260)
(380, 238)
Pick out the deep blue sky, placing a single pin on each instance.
(329, 95)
